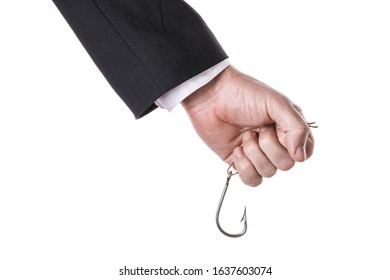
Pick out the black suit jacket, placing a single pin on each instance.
(143, 47)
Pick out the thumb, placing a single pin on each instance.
(296, 143)
(288, 118)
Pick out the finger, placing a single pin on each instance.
(245, 168)
(289, 120)
(252, 151)
(309, 145)
(310, 139)
(273, 149)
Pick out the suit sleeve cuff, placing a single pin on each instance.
(173, 97)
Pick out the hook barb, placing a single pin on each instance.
(244, 218)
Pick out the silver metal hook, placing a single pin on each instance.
(230, 174)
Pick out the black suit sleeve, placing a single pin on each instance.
(143, 47)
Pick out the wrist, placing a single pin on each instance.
(206, 95)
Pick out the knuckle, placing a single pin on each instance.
(243, 166)
(249, 176)
(250, 148)
(265, 140)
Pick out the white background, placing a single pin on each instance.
(85, 189)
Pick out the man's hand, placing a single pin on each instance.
(246, 122)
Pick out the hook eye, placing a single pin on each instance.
(231, 172)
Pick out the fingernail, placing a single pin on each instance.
(300, 154)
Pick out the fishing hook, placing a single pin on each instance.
(229, 175)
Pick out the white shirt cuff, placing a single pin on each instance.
(176, 95)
